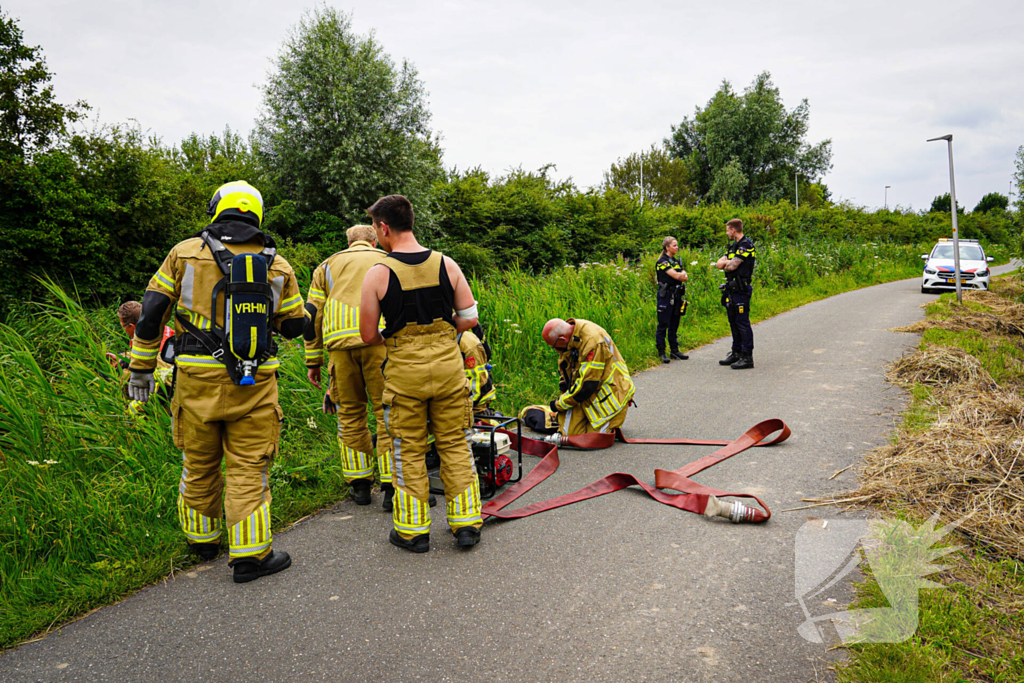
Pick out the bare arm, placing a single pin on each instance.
(679, 275)
(463, 295)
(375, 286)
(732, 265)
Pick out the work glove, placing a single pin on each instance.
(554, 406)
(329, 406)
(140, 386)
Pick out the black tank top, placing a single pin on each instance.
(421, 306)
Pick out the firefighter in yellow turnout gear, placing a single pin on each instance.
(354, 374)
(595, 382)
(223, 409)
(417, 291)
(475, 359)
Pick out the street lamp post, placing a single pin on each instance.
(952, 202)
(641, 180)
(887, 197)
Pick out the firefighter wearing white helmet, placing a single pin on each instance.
(228, 291)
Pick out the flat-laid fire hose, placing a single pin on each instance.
(693, 497)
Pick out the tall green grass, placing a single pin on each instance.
(87, 494)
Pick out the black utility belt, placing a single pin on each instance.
(737, 286)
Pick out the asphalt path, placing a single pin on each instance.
(616, 588)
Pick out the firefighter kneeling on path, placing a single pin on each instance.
(354, 367)
(426, 301)
(738, 264)
(671, 304)
(594, 380)
(225, 402)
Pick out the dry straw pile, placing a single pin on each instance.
(970, 461)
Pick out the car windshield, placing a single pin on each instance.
(968, 252)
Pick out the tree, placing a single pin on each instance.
(941, 205)
(993, 200)
(747, 148)
(666, 180)
(30, 118)
(341, 124)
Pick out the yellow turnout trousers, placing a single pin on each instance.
(355, 377)
(575, 421)
(423, 380)
(213, 421)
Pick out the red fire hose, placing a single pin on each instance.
(693, 497)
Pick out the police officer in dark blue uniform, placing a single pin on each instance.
(738, 264)
(671, 305)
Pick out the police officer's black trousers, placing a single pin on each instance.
(737, 307)
(668, 322)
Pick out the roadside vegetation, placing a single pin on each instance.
(959, 452)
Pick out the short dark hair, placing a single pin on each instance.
(395, 210)
(735, 224)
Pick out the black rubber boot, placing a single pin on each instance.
(418, 544)
(679, 355)
(205, 551)
(730, 359)
(664, 359)
(389, 495)
(361, 491)
(249, 568)
(467, 537)
(745, 362)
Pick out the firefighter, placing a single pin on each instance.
(417, 290)
(224, 408)
(354, 374)
(738, 264)
(128, 315)
(671, 305)
(595, 383)
(476, 358)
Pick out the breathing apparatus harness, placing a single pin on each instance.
(245, 340)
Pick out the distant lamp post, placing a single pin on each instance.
(641, 180)
(952, 204)
(887, 197)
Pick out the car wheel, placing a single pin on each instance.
(925, 290)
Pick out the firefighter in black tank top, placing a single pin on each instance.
(417, 291)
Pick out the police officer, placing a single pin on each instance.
(738, 264)
(219, 413)
(671, 290)
(426, 301)
(354, 375)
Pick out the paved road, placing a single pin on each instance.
(612, 589)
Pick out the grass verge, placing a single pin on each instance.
(960, 450)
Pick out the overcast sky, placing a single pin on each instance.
(580, 84)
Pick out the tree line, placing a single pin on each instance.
(342, 123)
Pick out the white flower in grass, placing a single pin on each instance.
(518, 331)
(515, 324)
(311, 423)
(508, 320)
(51, 462)
(693, 263)
(34, 463)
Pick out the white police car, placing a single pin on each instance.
(939, 267)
